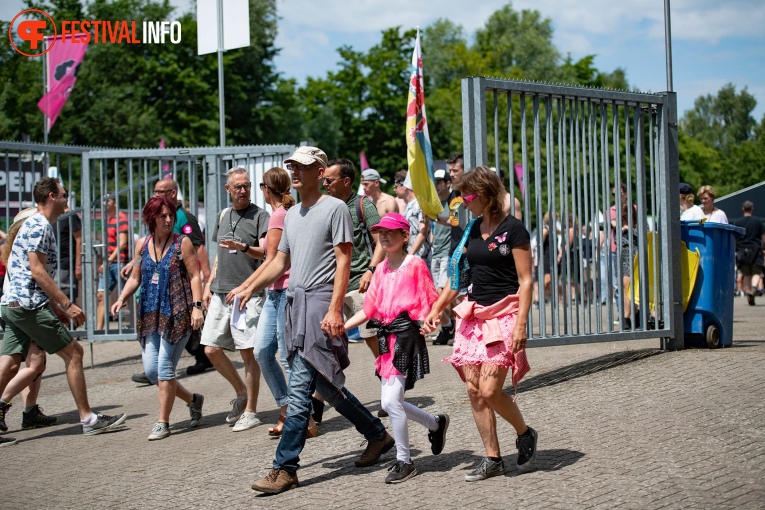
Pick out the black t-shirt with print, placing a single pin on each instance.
(493, 275)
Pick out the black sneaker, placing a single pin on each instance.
(400, 472)
(750, 299)
(382, 413)
(198, 368)
(4, 409)
(103, 423)
(486, 469)
(7, 441)
(445, 335)
(36, 419)
(140, 378)
(437, 438)
(527, 450)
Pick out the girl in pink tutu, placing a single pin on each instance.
(400, 294)
(490, 336)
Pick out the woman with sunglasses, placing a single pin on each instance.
(490, 336)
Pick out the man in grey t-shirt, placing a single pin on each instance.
(237, 232)
(316, 246)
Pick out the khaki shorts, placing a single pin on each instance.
(218, 332)
(40, 326)
(353, 302)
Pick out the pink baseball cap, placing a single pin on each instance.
(392, 221)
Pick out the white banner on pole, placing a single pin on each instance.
(236, 25)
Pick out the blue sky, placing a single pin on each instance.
(713, 42)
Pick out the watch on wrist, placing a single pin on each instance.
(372, 268)
(246, 247)
(197, 304)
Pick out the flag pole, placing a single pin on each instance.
(221, 105)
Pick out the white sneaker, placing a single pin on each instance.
(160, 431)
(246, 422)
(237, 408)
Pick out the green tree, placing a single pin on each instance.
(723, 120)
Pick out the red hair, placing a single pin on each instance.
(153, 209)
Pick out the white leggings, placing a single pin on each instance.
(392, 400)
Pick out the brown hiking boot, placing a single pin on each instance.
(374, 450)
(277, 481)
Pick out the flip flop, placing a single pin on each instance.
(276, 431)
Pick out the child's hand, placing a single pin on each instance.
(431, 322)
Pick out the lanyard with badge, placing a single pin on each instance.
(155, 276)
(233, 225)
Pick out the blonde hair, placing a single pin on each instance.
(686, 201)
(709, 190)
(5, 249)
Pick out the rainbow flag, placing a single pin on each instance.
(419, 154)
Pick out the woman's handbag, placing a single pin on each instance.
(459, 269)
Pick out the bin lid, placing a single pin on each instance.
(709, 224)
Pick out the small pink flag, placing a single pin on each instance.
(62, 64)
(364, 164)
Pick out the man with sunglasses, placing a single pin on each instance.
(238, 232)
(35, 309)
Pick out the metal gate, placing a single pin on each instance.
(21, 166)
(129, 177)
(573, 149)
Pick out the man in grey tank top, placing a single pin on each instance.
(316, 247)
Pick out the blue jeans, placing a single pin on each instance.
(268, 337)
(113, 271)
(160, 357)
(304, 380)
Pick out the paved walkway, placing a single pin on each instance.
(620, 425)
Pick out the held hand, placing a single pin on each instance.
(197, 318)
(519, 338)
(206, 297)
(431, 322)
(78, 273)
(366, 279)
(333, 324)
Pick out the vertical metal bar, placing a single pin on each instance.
(468, 122)
(479, 99)
(527, 213)
(551, 203)
(510, 153)
(538, 196)
(221, 87)
(668, 43)
(642, 215)
(87, 247)
(496, 132)
(669, 205)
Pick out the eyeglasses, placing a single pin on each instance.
(162, 191)
(297, 166)
(328, 180)
(263, 186)
(242, 187)
(65, 195)
(469, 198)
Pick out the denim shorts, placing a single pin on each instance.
(160, 357)
(114, 273)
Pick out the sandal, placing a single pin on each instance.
(277, 430)
(312, 432)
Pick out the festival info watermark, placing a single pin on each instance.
(36, 25)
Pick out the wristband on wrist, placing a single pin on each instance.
(246, 247)
(67, 306)
(78, 267)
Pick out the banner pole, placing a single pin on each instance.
(221, 100)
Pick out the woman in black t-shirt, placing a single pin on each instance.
(490, 337)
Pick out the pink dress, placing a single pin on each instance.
(409, 288)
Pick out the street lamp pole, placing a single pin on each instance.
(668, 44)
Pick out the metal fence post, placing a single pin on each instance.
(671, 210)
(468, 123)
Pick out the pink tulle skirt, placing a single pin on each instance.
(470, 349)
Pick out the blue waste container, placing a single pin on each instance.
(708, 319)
